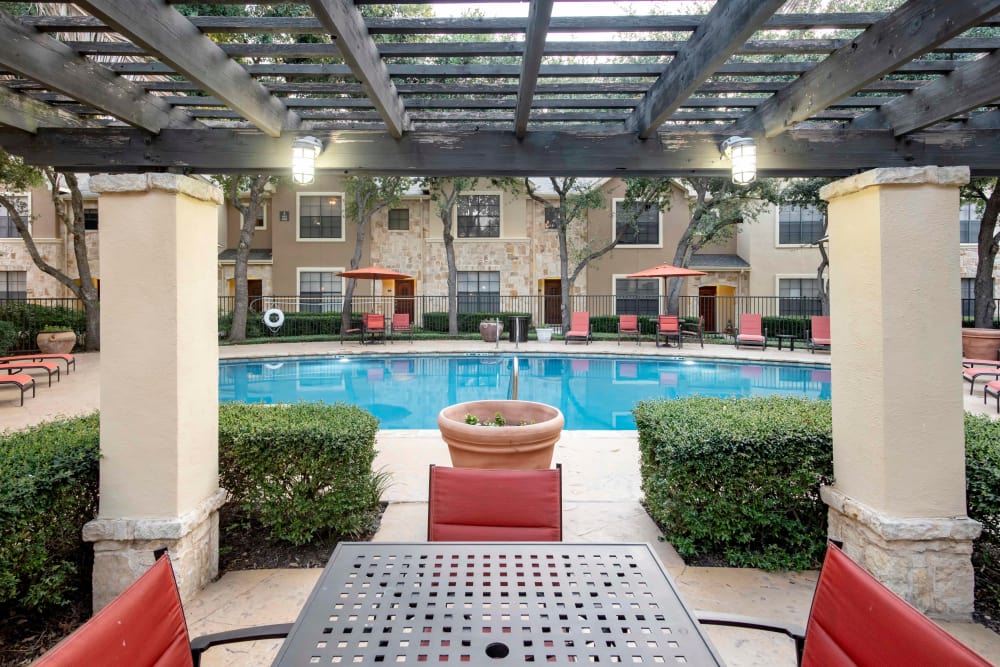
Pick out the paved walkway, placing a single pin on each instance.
(601, 504)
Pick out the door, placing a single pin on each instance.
(553, 299)
(255, 292)
(404, 298)
(706, 306)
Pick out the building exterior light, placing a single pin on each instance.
(742, 154)
(304, 153)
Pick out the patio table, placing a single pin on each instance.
(517, 602)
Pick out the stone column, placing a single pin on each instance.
(899, 449)
(159, 381)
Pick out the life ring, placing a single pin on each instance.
(274, 318)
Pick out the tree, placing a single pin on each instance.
(805, 192)
(444, 193)
(717, 208)
(235, 186)
(985, 195)
(15, 175)
(365, 196)
(576, 197)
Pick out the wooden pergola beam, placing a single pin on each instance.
(161, 29)
(45, 59)
(970, 87)
(344, 23)
(728, 25)
(28, 114)
(451, 152)
(539, 15)
(911, 30)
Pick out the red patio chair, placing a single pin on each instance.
(695, 330)
(579, 328)
(482, 505)
(973, 373)
(68, 359)
(856, 620)
(628, 325)
(991, 389)
(667, 327)
(19, 367)
(145, 627)
(751, 331)
(22, 381)
(401, 325)
(819, 333)
(373, 326)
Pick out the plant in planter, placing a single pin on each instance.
(55, 339)
(490, 330)
(544, 334)
(521, 434)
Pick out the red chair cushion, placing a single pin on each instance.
(467, 504)
(856, 620)
(142, 627)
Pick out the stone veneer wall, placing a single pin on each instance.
(14, 257)
(404, 251)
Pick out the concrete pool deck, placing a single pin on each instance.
(601, 504)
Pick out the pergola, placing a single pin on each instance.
(903, 108)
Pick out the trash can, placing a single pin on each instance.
(517, 328)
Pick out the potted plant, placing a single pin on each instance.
(56, 339)
(544, 334)
(515, 435)
(981, 343)
(490, 330)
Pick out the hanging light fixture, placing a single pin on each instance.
(742, 153)
(304, 153)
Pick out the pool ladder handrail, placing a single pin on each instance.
(512, 388)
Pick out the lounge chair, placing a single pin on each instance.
(667, 327)
(992, 389)
(628, 325)
(484, 505)
(144, 626)
(22, 381)
(579, 328)
(49, 367)
(373, 327)
(973, 373)
(695, 329)
(751, 331)
(401, 325)
(68, 359)
(818, 335)
(857, 620)
(967, 362)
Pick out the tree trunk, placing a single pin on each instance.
(359, 244)
(449, 251)
(238, 328)
(989, 244)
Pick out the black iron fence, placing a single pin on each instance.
(30, 316)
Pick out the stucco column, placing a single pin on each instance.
(899, 448)
(159, 381)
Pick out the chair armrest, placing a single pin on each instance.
(796, 632)
(201, 644)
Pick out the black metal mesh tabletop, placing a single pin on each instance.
(494, 603)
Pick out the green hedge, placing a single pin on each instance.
(303, 469)
(982, 474)
(8, 337)
(792, 326)
(28, 319)
(295, 324)
(48, 490)
(467, 322)
(738, 477)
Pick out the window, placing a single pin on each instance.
(479, 291)
(799, 225)
(7, 228)
(968, 297)
(13, 285)
(90, 219)
(969, 218)
(637, 296)
(320, 217)
(799, 296)
(479, 216)
(319, 291)
(642, 227)
(261, 215)
(551, 217)
(399, 220)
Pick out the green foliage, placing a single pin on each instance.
(982, 474)
(8, 336)
(302, 469)
(48, 490)
(468, 322)
(794, 326)
(295, 324)
(738, 477)
(15, 175)
(29, 319)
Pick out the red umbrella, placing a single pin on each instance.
(666, 271)
(374, 273)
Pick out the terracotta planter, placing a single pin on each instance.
(56, 342)
(490, 330)
(981, 343)
(511, 447)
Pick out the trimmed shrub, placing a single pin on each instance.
(48, 490)
(295, 324)
(738, 478)
(28, 319)
(791, 326)
(301, 469)
(982, 474)
(467, 322)
(8, 336)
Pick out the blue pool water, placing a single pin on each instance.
(595, 393)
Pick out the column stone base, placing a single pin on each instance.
(123, 549)
(926, 561)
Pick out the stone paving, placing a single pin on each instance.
(601, 504)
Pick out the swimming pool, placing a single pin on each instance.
(594, 393)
